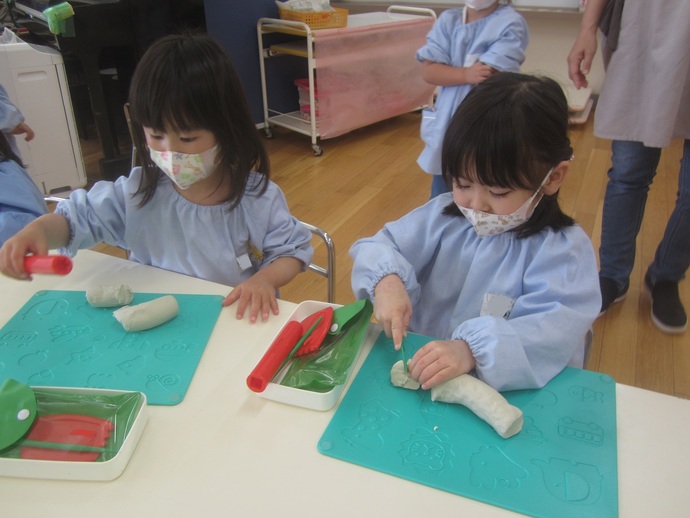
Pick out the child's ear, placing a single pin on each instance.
(556, 178)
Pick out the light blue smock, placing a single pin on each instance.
(498, 40)
(10, 118)
(170, 232)
(450, 273)
(20, 199)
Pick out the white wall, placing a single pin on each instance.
(551, 36)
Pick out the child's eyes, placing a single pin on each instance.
(493, 194)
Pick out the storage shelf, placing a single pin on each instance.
(293, 121)
(358, 27)
(294, 48)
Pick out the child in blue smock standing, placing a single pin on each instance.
(202, 203)
(465, 46)
(495, 270)
(12, 121)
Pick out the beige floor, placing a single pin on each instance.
(369, 177)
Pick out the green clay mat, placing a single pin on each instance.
(563, 463)
(58, 339)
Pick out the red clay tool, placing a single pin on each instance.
(52, 264)
(315, 339)
(296, 339)
(67, 437)
(269, 364)
(298, 345)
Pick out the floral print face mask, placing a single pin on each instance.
(487, 224)
(184, 169)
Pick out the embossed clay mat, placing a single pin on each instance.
(563, 463)
(58, 339)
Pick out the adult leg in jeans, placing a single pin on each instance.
(632, 172)
(672, 257)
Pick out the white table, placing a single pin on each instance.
(224, 451)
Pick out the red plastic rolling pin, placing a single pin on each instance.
(273, 358)
(54, 264)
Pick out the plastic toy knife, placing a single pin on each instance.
(402, 350)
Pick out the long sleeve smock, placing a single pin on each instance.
(20, 199)
(498, 40)
(452, 276)
(170, 232)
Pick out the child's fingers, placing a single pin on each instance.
(231, 298)
(259, 304)
(263, 303)
(431, 379)
(398, 330)
(241, 308)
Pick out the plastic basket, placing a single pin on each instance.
(320, 20)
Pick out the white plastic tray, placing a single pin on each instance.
(65, 470)
(306, 398)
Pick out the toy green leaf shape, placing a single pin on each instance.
(17, 411)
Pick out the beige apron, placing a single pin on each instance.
(646, 92)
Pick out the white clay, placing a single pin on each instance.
(400, 378)
(108, 296)
(483, 400)
(147, 314)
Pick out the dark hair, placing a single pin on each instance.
(187, 82)
(6, 152)
(508, 132)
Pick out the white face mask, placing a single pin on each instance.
(478, 5)
(184, 169)
(487, 224)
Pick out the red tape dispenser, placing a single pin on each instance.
(295, 339)
(51, 264)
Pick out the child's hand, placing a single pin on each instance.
(30, 240)
(478, 73)
(255, 293)
(23, 129)
(392, 308)
(441, 360)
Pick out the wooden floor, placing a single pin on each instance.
(370, 176)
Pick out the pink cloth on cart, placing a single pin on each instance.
(368, 74)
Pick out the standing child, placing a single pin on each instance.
(465, 46)
(201, 203)
(20, 200)
(12, 121)
(496, 270)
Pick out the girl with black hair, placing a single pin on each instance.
(495, 270)
(201, 203)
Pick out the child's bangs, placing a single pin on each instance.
(167, 113)
(490, 161)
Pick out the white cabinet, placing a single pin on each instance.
(35, 80)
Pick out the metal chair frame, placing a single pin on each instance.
(329, 271)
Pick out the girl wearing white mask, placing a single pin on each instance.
(465, 46)
(201, 203)
(495, 270)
